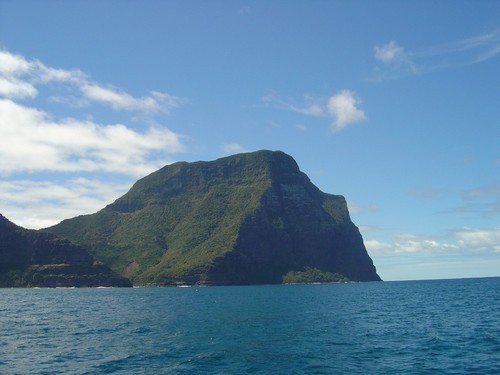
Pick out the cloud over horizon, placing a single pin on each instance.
(464, 240)
(39, 204)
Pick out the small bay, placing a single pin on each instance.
(412, 327)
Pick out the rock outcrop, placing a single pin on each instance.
(34, 259)
(245, 219)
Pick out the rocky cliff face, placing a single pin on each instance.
(30, 258)
(245, 219)
(294, 226)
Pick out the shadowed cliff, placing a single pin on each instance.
(33, 259)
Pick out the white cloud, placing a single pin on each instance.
(461, 241)
(479, 239)
(355, 208)
(45, 74)
(409, 245)
(389, 52)
(233, 148)
(63, 150)
(397, 62)
(12, 64)
(344, 109)
(19, 78)
(16, 89)
(32, 141)
(313, 107)
(120, 100)
(12, 67)
(39, 204)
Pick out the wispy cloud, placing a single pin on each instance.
(19, 78)
(355, 208)
(483, 192)
(389, 52)
(471, 50)
(120, 100)
(343, 108)
(483, 201)
(233, 148)
(431, 193)
(396, 61)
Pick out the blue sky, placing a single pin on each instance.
(393, 104)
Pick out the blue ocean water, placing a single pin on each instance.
(413, 327)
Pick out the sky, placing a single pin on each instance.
(393, 104)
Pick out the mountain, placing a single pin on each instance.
(30, 258)
(250, 218)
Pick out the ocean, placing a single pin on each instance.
(412, 327)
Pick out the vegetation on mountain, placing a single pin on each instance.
(313, 275)
(29, 258)
(245, 219)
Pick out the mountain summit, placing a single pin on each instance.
(250, 218)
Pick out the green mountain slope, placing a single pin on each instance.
(244, 219)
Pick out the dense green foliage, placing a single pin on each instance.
(175, 220)
(247, 218)
(313, 275)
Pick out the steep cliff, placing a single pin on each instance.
(245, 219)
(29, 258)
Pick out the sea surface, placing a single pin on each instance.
(412, 327)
